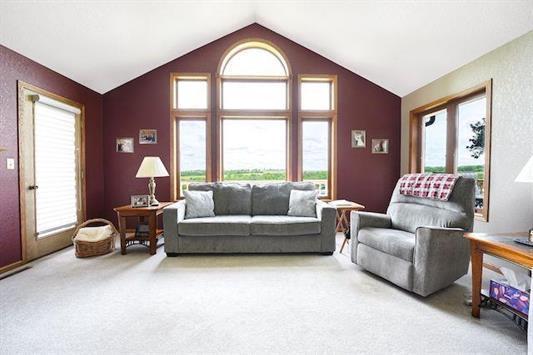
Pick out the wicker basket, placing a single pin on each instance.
(86, 249)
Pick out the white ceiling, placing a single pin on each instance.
(400, 45)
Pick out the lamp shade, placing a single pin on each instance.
(151, 167)
(526, 175)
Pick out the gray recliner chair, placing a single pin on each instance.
(419, 244)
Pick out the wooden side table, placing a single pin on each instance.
(500, 245)
(127, 236)
(343, 219)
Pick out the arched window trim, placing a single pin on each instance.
(276, 114)
(253, 43)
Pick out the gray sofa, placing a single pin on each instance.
(249, 219)
(419, 244)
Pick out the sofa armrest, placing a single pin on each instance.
(360, 220)
(172, 215)
(441, 256)
(327, 216)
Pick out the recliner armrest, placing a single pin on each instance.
(360, 220)
(440, 257)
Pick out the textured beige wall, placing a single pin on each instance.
(511, 68)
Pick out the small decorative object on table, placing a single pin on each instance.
(140, 201)
(152, 167)
(344, 208)
(94, 241)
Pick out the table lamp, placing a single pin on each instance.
(152, 167)
(526, 175)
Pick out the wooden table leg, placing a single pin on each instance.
(152, 222)
(477, 272)
(122, 230)
(338, 228)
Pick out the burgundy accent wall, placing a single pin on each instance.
(144, 103)
(13, 67)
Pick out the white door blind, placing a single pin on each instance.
(55, 169)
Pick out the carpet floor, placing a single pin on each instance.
(244, 304)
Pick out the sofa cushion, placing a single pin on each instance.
(390, 241)
(215, 226)
(199, 204)
(302, 203)
(284, 225)
(273, 199)
(229, 198)
(233, 199)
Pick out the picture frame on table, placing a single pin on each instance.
(138, 201)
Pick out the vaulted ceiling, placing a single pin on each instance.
(399, 45)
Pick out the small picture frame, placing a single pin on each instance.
(148, 136)
(140, 201)
(124, 145)
(358, 138)
(380, 146)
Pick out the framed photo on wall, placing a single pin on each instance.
(380, 146)
(148, 136)
(124, 145)
(358, 138)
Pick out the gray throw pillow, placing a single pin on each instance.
(199, 204)
(303, 203)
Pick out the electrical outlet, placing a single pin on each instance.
(10, 164)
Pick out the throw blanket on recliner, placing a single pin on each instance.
(433, 186)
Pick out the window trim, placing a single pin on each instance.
(177, 115)
(250, 114)
(320, 115)
(450, 103)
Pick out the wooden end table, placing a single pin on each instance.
(499, 245)
(343, 219)
(127, 236)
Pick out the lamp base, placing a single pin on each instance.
(151, 189)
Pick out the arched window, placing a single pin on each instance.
(254, 113)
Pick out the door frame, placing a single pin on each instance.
(22, 145)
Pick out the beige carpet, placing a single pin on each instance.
(245, 304)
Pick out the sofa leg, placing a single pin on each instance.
(326, 253)
(172, 255)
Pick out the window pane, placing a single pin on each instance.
(435, 142)
(192, 94)
(192, 152)
(256, 95)
(55, 169)
(471, 143)
(316, 95)
(315, 154)
(254, 61)
(254, 150)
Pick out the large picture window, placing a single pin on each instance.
(452, 135)
(253, 114)
(255, 137)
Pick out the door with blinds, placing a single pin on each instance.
(51, 170)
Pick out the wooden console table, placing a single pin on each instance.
(127, 236)
(499, 245)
